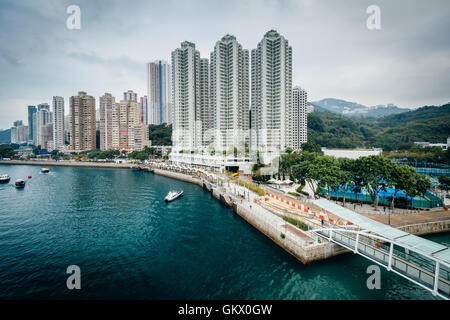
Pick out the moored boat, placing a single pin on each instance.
(4, 178)
(172, 195)
(20, 183)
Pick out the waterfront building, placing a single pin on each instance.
(186, 133)
(299, 134)
(271, 96)
(159, 93)
(107, 101)
(58, 123)
(31, 123)
(82, 132)
(229, 95)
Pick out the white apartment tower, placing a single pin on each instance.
(271, 96)
(43, 118)
(230, 94)
(186, 133)
(299, 118)
(159, 93)
(58, 123)
(107, 101)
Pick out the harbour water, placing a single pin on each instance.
(130, 244)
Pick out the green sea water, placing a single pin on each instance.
(130, 244)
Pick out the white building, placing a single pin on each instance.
(159, 93)
(186, 133)
(271, 92)
(351, 153)
(229, 95)
(43, 117)
(299, 133)
(58, 123)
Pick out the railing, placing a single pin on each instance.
(426, 272)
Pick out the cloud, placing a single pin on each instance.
(334, 54)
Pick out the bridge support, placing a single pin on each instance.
(391, 252)
(436, 279)
(356, 243)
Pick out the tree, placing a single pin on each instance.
(401, 178)
(312, 147)
(444, 183)
(374, 171)
(345, 175)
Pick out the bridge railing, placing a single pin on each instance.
(423, 271)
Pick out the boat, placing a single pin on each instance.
(45, 170)
(172, 195)
(20, 183)
(4, 178)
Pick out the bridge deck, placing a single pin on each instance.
(423, 246)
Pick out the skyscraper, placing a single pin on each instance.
(128, 131)
(299, 118)
(271, 92)
(159, 92)
(186, 133)
(230, 94)
(58, 123)
(107, 101)
(31, 122)
(143, 105)
(43, 117)
(19, 132)
(82, 133)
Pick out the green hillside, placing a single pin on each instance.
(392, 132)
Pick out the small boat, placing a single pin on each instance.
(4, 178)
(45, 170)
(172, 195)
(20, 183)
(135, 168)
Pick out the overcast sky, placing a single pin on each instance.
(407, 62)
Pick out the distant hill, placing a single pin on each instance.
(398, 131)
(356, 110)
(5, 136)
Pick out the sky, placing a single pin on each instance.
(406, 62)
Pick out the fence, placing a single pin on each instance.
(429, 200)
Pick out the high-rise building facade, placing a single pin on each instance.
(43, 117)
(299, 118)
(205, 108)
(143, 105)
(82, 132)
(58, 123)
(186, 133)
(230, 94)
(271, 96)
(159, 93)
(19, 132)
(128, 130)
(107, 102)
(31, 123)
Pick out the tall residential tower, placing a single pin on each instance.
(271, 87)
(82, 112)
(58, 123)
(159, 93)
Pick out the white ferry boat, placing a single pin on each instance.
(4, 178)
(172, 195)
